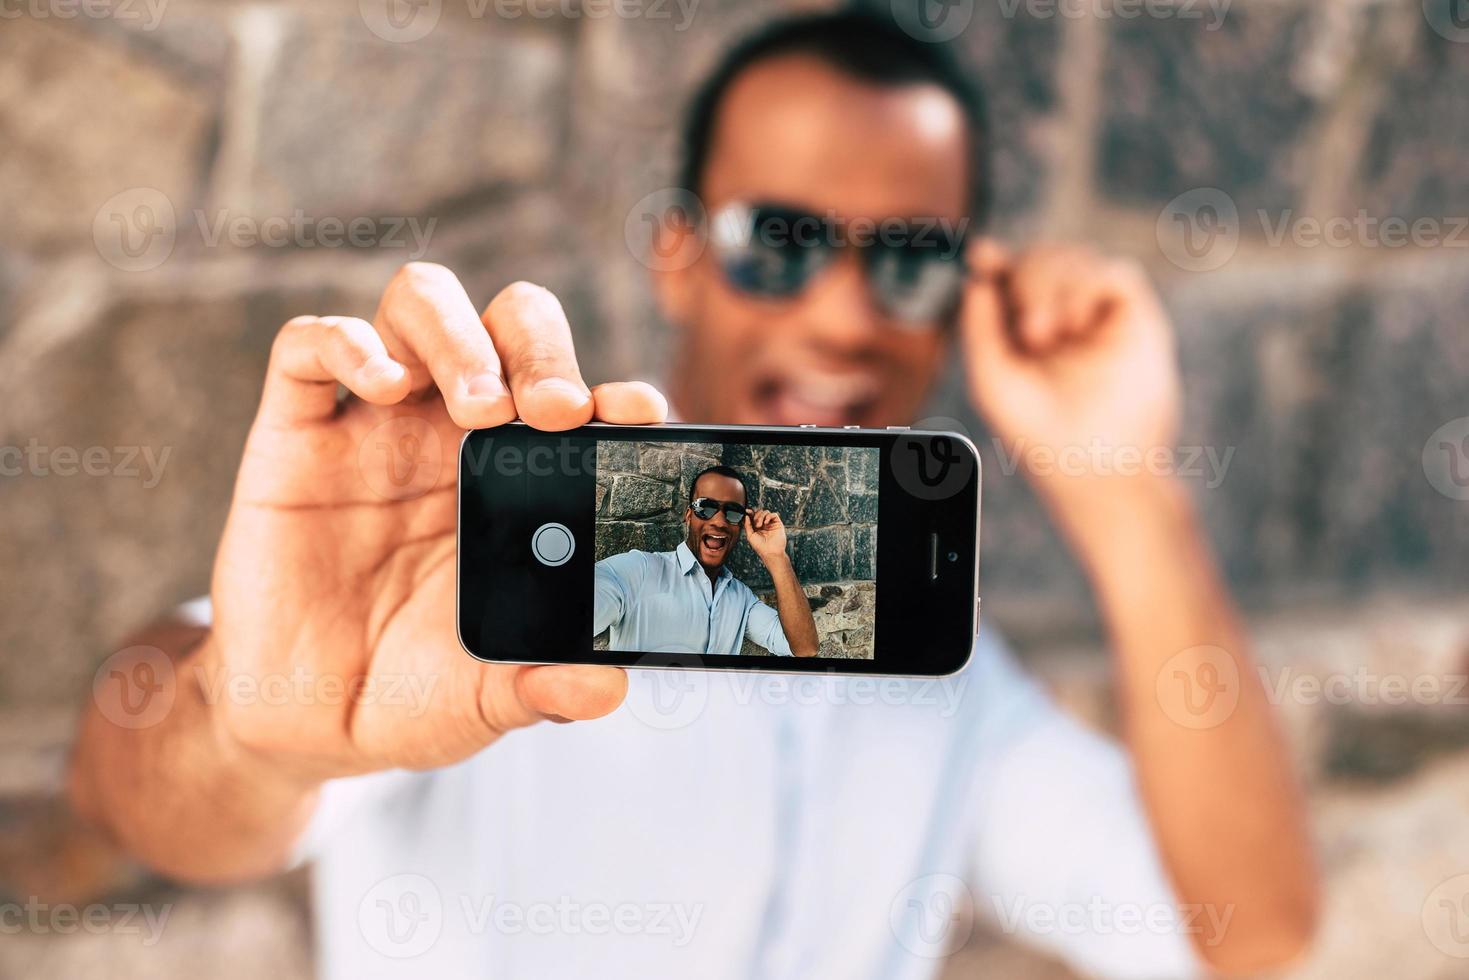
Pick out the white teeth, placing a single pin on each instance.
(832, 391)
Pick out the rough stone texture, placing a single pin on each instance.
(1413, 165)
(1189, 107)
(145, 127)
(642, 488)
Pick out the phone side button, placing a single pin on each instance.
(977, 601)
(899, 428)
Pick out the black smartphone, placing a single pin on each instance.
(720, 547)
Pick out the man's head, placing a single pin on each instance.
(711, 538)
(846, 119)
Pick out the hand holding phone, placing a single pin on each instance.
(337, 561)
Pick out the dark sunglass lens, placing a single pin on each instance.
(705, 509)
(917, 285)
(769, 251)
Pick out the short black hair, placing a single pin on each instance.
(721, 470)
(863, 45)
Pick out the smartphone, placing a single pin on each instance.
(655, 546)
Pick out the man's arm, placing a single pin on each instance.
(767, 536)
(181, 795)
(1071, 360)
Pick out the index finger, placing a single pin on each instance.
(533, 339)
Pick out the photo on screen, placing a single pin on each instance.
(689, 559)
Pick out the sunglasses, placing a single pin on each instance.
(915, 268)
(706, 507)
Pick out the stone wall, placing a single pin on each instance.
(827, 497)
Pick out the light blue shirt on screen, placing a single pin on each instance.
(664, 602)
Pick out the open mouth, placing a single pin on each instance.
(818, 399)
(714, 542)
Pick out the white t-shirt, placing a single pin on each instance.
(725, 825)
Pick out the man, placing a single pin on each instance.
(838, 833)
(712, 612)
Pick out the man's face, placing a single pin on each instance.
(711, 541)
(796, 132)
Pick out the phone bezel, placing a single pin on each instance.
(885, 439)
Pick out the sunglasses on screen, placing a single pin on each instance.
(914, 267)
(705, 508)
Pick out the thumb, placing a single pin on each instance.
(985, 316)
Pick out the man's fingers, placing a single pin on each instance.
(984, 318)
(530, 332)
(572, 692)
(629, 403)
(312, 355)
(429, 323)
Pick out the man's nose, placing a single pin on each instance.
(838, 309)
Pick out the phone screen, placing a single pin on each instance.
(749, 548)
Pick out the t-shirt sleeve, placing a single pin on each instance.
(762, 628)
(616, 580)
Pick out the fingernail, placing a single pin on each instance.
(560, 387)
(380, 366)
(487, 385)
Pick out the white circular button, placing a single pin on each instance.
(552, 544)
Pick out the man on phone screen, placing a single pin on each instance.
(688, 601)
